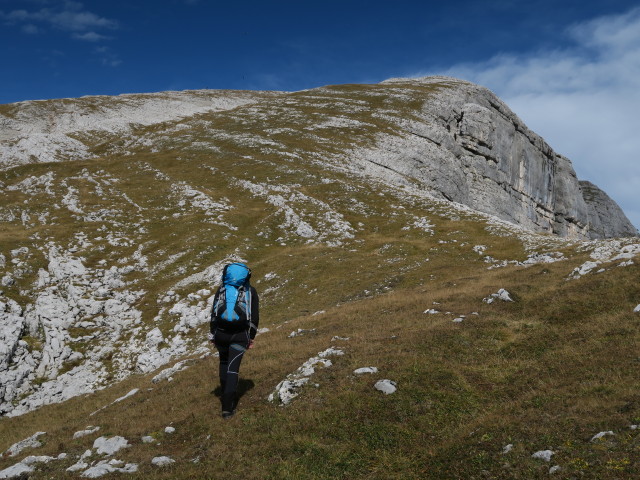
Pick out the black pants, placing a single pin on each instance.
(231, 347)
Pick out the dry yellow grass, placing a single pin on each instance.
(547, 371)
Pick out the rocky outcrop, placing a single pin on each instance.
(469, 147)
(606, 218)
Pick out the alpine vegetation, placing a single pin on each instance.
(416, 225)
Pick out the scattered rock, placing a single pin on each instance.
(104, 467)
(480, 249)
(599, 436)
(289, 388)
(31, 459)
(16, 471)
(19, 470)
(162, 461)
(501, 294)
(169, 430)
(554, 469)
(84, 433)
(360, 371)
(147, 439)
(507, 448)
(543, 455)
(167, 373)
(31, 442)
(637, 309)
(386, 386)
(300, 331)
(131, 393)
(109, 446)
(79, 465)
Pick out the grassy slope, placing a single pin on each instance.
(547, 371)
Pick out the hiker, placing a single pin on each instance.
(234, 324)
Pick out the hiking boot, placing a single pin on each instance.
(226, 415)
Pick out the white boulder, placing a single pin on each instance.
(386, 386)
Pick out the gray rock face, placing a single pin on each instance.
(606, 218)
(472, 149)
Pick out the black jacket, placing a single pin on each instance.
(255, 316)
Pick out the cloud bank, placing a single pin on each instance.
(583, 99)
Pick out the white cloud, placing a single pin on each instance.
(89, 36)
(69, 16)
(583, 100)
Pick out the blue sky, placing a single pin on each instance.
(570, 69)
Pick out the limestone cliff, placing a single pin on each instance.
(606, 218)
(472, 149)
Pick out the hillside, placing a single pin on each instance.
(111, 251)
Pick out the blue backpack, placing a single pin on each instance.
(233, 306)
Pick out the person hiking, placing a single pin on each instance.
(234, 323)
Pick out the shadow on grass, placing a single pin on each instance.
(244, 385)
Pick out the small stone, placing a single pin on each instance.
(600, 435)
(386, 386)
(360, 371)
(543, 455)
(88, 431)
(169, 430)
(554, 469)
(162, 461)
(637, 309)
(147, 439)
(109, 446)
(507, 448)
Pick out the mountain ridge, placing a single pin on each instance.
(516, 175)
